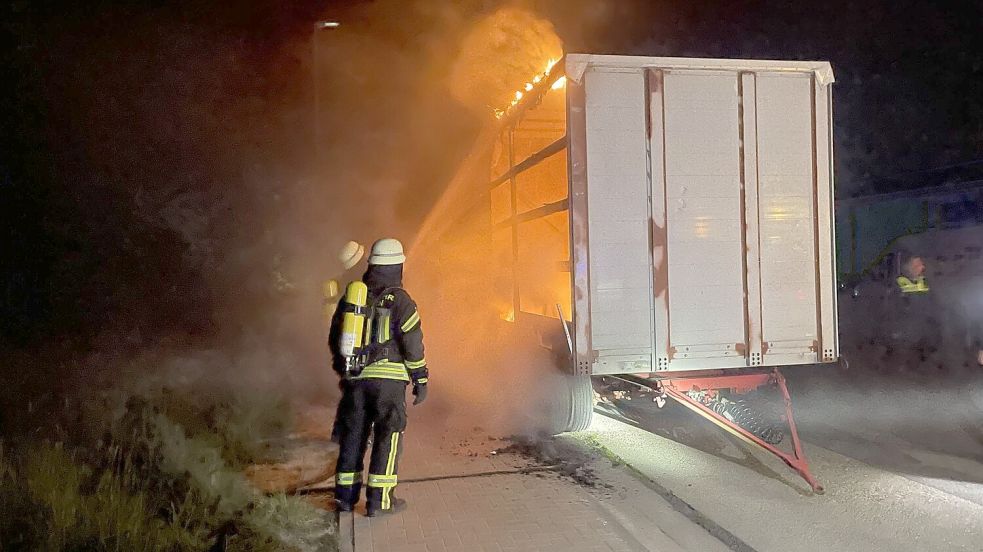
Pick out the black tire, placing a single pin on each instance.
(574, 406)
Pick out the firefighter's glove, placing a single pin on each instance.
(420, 392)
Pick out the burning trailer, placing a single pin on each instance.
(664, 226)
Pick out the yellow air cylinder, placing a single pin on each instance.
(330, 289)
(353, 321)
(330, 302)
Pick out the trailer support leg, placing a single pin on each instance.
(798, 462)
(795, 460)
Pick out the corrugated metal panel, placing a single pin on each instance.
(705, 237)
(786, 202)
(703, 184)
(620, 265)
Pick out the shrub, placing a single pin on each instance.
(166, 475)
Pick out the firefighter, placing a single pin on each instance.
(349, 257)
(375, 396)
(934, 324)
(916, 339)
(912, 278)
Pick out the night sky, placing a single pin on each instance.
(157, 162)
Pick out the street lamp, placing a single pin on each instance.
(319, 26)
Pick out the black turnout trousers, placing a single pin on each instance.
(378, 405)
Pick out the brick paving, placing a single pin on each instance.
(463, 497)
(454, 505)
(496, 513)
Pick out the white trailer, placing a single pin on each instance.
(683, 244)
(701, 211)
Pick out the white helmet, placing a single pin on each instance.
(387, 252)
(351, 254)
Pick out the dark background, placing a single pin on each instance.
(159, 177)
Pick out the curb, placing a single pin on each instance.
(346, 531)
(729, 539)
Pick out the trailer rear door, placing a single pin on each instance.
(701, 214)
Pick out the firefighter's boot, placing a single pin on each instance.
(346, 491)
(396, 505)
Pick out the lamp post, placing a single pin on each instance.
(319, 26)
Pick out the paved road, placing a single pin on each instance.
(689, 487)
(464, 498)
(756, 498)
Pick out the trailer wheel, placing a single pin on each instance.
(575, 404)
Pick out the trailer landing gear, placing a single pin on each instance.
(699, 394)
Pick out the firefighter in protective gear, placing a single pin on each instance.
(931, 329)
(912, 278)
(350, 256)
(375, 398)
(910, 317)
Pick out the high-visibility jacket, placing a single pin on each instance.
(919, 285)
(395, 331)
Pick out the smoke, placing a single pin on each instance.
(216, 159)
(403, 90)
(499, 53)
(485, 372)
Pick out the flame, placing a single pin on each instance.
(560, 83)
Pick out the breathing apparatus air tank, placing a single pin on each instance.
(353, 327)
(329, 301)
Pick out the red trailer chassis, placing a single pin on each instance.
(681, 384)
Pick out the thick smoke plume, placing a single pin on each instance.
(499, 53)
(487, 373)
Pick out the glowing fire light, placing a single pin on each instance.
(560, 82)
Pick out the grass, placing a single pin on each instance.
(160, 470)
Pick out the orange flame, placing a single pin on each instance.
(560, 83)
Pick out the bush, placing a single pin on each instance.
(167, 475)
(22, 521)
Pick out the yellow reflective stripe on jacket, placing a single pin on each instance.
(384, 331)
(345, 478)
(385, 370)
(411, 322)
(382, 480)
(907, 286)
(422, 380)
(415, 364)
